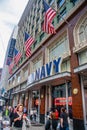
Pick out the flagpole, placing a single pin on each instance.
(64, 19)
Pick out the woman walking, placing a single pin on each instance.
(18, 118)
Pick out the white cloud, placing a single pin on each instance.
(10, 13)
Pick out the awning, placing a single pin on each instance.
(19, 91)
(82, 69)
(51, 80)
(56, 79)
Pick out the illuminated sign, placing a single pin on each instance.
(62, 101)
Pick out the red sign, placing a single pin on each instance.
(62, 101)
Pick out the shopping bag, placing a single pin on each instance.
(58, 126)
(28, 122)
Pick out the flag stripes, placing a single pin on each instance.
(49, 16)
(28, 42)
(10, 67)
(17, 56)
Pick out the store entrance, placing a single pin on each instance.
(62, 97)
(35, 111)
(85, 96)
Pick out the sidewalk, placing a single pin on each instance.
(39, 128)
(36, 128)
(42, 127)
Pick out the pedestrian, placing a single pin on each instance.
(11, 116)
(64, 119)
(48, 121)
(5, 112)
(18, 118)
(55, 116)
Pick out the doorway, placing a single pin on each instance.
(85, 97)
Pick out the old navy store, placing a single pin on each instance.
(55, 84)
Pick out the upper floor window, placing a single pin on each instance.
(51, 2)
(41, 36)
(35, 44)
(18, 78)
(60, 2)
(65, 66)
(37, 64)
(82, 57)
(73, 1)
(13, 81)
(83, 31)
(80, 33)
(59, 48)
(26, 74)
(36, 31)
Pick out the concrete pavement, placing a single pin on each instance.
(36, 128)
(42, 127)
(39, 128)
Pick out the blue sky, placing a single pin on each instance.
(10, 13)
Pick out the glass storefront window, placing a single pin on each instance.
(61, 98)
(85, 95)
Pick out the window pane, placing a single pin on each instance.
(37, 65)
(82, 57)
(58, 49)
(86, 31)
(81, 34)
(65, 66)
(60, 2)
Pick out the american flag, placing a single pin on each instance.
(9, 60)
(28, 42)
(17, 56)
(10, 67)
(49, 16)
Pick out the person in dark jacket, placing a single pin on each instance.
(64, 120)
(18, 118)
(48, 121)
(11, 116)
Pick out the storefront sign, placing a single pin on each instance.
(62, 101)
(45, 71)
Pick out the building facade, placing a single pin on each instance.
(0, 78)
(55, 73)
(0, 73)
